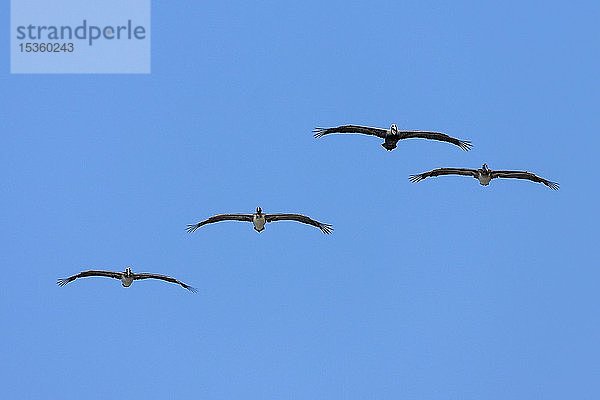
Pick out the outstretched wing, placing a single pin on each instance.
(84, 274)
(365, 130)
(144, 275)
(525, 175)
(219, 218)
(443, 171)
(325, 228)
(442, 137)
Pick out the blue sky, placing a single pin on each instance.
(439, 290)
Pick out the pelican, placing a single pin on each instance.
(393, 135)
(126, 277)
(484, 175)
(259, 219)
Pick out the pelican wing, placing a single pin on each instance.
(84, 274)
(365, 130)
(443, 171)
(144, 275)
(525, 175)
(325, 228)
(442, 137)
(218, 218)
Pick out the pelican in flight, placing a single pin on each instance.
(126, 277)
(259, 219)
(393, 135)
(484, 175)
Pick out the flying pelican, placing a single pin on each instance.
(393, 135)
(259, 219)
(484, 175)
(127, 277)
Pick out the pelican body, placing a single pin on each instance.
(259, 220)
(127, 277)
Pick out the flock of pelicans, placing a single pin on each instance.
(258, 219)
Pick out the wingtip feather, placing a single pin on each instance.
(553, 185)
(319, 132)
(326, 228)
(466, 145)
(415, 178)
(191, 228)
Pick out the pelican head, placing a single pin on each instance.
(394, 129)
(258, 210)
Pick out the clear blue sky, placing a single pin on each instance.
(439, 290)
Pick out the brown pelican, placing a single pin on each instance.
(259, 219)
(484, 175)
(393, 135)
(127, 277)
